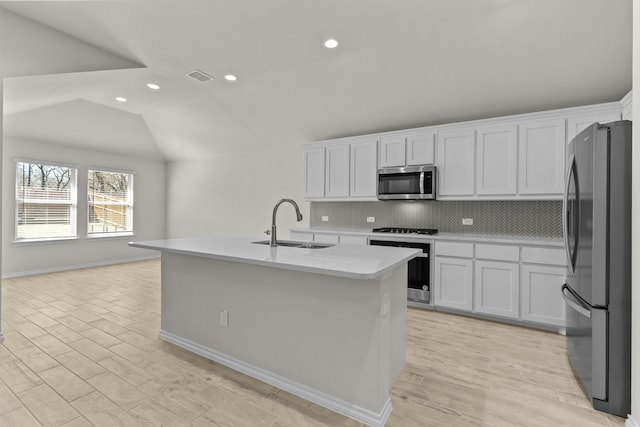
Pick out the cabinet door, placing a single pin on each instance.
(627, 113)
(497, 288)
(541, 295)
(364, 162)
(456, 163)
(326, 238)
(337, 170)
(496, 160)
(575, 125)
(420, 149)
(301, 236)
(453, 283)
(392, 151)
(541, 157)
(313, 166)
(354, 240)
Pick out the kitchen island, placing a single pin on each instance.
(328, 324)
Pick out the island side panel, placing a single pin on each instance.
(396, 286)
(325, 332)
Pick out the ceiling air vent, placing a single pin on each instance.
(200, 76)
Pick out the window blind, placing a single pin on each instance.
(45, 201)
(110, 197)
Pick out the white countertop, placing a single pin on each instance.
(351, 261)
(465, 237)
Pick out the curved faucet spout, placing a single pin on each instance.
(274, 240)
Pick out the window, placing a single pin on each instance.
(45, 201)
(110, 196)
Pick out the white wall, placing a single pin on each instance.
(235, 194)
(148, 211)
(634, 418)
(29, 48)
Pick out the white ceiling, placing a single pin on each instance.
(400, 64)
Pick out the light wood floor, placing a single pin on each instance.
(82, 349)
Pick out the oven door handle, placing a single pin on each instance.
(421, 182)
(574, 301)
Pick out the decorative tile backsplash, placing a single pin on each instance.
(523, 218)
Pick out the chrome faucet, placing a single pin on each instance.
(274, 241)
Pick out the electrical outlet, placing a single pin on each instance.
(371, 219)
(467, 221)
(325, 218)
(224, 318)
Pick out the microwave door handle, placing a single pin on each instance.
(421, 182)
(573, 302)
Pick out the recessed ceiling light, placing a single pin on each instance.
(153, 86)
(231, 77)
(121, 99)
(331, 43)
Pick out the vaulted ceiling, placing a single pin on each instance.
(399, 64)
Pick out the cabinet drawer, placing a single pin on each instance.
(326, 238)
(498, 252)
(551, 256)
(354, 240)
(463, 250)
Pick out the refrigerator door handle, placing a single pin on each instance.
(565, 212)
(568, 222)
(574, 301)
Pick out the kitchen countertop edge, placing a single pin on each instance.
(373, 265)
(462, 237)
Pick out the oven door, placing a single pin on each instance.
(418, 269)
(418, 288)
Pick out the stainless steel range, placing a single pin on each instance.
(419, 268)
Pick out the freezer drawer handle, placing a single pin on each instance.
(573, 302)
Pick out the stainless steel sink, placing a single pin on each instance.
(295, 244)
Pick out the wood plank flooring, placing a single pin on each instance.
(81, 348)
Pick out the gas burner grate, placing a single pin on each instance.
(398, 230)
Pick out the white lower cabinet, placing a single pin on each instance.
(301, 236)
(453, 283)
(304, 236)
(497, 288)
(326, 238)
(541, 298)
(354, 240)
(508, 281)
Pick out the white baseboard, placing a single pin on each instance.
(59, 268)
(360, 414)
(631, 422)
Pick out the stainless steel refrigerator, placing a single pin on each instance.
(597, 232)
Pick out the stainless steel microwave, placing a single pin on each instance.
(407, 183)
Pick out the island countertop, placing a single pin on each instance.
(344, 260)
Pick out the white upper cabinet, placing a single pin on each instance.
(505, 158)
(577, 124)
(363, 169)
(341, 170)
(420, 148)
(407, 149)
(337, 170)
(541, 146)
(313, 171)
(456, 162)
(626, 106)
(392, 151)
(496, 160)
